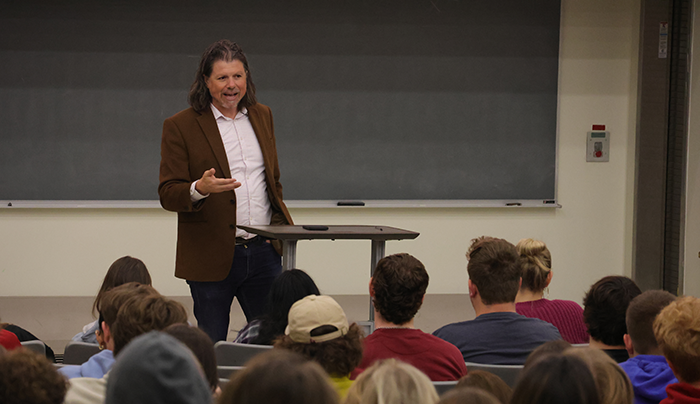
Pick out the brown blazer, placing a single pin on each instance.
(206, 231)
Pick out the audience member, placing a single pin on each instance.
(548, 348)
(29, 378)
(124, 270)
(391, 381)
(613, 385)
(24, 335)
(536, 266)
(556, 379)
(9, 340)
(203, 349)
(138, 314)
(469, 395)
(318, 329)
(604, 308)
(647, 368)
(498, 335)
(488, 382)
(677, 331)
(289, 287)
(280, 377)
(397, 289)
(155, 368)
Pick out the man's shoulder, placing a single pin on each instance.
(454, 328)
(188, 114)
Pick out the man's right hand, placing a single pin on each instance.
(209, 184)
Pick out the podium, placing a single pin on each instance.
(290, 234)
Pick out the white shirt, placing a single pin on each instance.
(245, 160)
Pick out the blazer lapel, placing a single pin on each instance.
(211, 132)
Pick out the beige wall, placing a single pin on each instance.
(57, 252)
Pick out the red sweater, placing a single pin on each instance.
(681, 393)
(566, 315)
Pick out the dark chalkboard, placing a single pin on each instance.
(372, 100)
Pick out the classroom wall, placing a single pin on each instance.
(65, 252)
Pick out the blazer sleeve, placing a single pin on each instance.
(175, 178)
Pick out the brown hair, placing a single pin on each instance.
(488, 382)
(399, 283)
(280, 377)
(112, 300)
(338, 356)
(556, 379)
(391, 381)
(535, 264)
(641, 313)
(199, 97)
(555, 347)
(493, 268)
(604, 308)
(470, 395)
(124, 270)
(677, 330)
(201, 346)
(27, 377)
(614, 387)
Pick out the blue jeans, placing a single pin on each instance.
(255, 266)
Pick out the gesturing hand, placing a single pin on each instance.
(209, 184)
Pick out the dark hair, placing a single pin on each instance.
(124, 270)
(109, 304)
(558, 346)
(338, 356)
(604, 308)
(470, 395)
(289, 287)
(641, 313)
(201, 346)
(199, 97)
(493, 268)
(27, 377)
(488, 382)
(535, 264)
(556, 379)
(280, 377)
(399, 283)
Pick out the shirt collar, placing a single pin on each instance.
(218, 114)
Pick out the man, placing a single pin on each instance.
(498, 335)
(218, 170)
(647, 368)
(604, 308)
(397, 289)
(677, 330)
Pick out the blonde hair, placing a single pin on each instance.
(677, 331)
(535, 262)
(392, 382)
(614, 387)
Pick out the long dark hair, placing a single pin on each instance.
(287, 288)
(199, 97)
(124, 270)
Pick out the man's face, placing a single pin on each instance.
(227, 85)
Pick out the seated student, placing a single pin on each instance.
(677, 330)
(488, 382)
(391, 381)
(280, 376)
(9, 340)
(556, 379)
(613, 385)
(566, 315)
(289, 287)
(155, 368)
(604, 308)
(29, 378)
(469, 395)
(203, 349)
(134, 315)
(22, 335)
(498, 335)
(124, 270)
(319, 330)
(397, 289)
(647, 368)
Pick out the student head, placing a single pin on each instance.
(469, 395)
(201, 346)
(392, 382)
(155, 368)
(641, 313)
(488, 382)
(677, 331)
(535, 264)
(604, 308)
(29, 378)
(555, 347)
(319, 330)
(398, 286)
(614, 387)
(109, 304)
(494, 272)
(124, 270)
(199, 97)
(280, 377)
(556, 379)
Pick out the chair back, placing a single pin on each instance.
(227, 372)
(444, 387)
(78, 352)
(235, 354)
(509, 373)
(36, 346)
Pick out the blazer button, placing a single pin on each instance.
(233, 202)
(232, 226)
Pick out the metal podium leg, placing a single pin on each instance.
(289, 254)
(378, 251)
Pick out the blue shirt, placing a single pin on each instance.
(649, 374)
